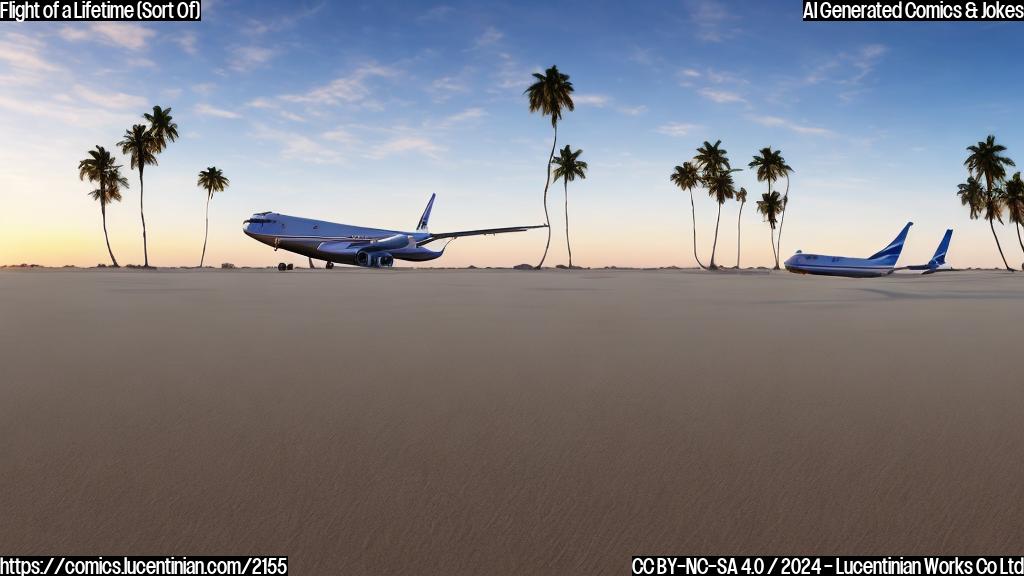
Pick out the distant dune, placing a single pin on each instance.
(504, 422)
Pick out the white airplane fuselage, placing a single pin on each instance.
(355, 245)
(338, 243)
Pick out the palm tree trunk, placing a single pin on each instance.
(567, 245)
(142, 212)
(773, 248)
(207, 233)
(547, 218)
(693, 215)
(739, 232)
(1021, 242)
(103, 211)
(311, 265)
(785, 202)
(714, 246)
(998, 245)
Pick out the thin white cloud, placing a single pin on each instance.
(711, 20)
(689, 73)
(489, 37)
(301, 147)
(633, 110)
(114, 100)
(447, 86)
(511, 75)
(261, 103)
(245, 58)
(596, 100)
(188, 41)
(351, 89)
(208, 110)
(721, 96)
(130, 35)
(676, 129)
(405, 145)
(339, 135)
(24, 53)
(467, 115)
(775, 121)
(436, 14)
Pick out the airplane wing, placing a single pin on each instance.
(486, 231)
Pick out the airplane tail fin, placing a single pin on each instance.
(425, 218)
(940, 253)
(939, 259)
(891, 253)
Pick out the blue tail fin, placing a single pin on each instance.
(939, 259)
(425, 218)
(940, 254)
(891, 253)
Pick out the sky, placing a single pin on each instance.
(356, 112)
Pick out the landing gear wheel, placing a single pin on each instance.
(281, 266)
(330, 265)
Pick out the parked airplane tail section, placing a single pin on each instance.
(891, 253)
(940, 254)
(938, 261)
(425, 218)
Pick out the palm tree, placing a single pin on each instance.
(986, 161)
(771, 166)
(1013, 197)
(711, 159)
(687, 178)
(769, 206)
(741, 196)
(162, 125)
(721, 187)
(549, 94)
(99, 167)
(970, 195)
(213, 180)
(141, 146)
(569, 167)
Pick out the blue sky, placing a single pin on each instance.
(357, 112)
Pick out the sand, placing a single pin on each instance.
(508, 422)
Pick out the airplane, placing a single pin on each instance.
(355, 245)
(880, 263)
(938, 261)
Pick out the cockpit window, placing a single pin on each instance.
(259, 221)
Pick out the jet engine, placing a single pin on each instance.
(374, 259)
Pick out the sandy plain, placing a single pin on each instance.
(508, 422)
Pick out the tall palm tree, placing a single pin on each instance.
(721, 187)
(769, 206)
(99, 167)
(569, 167)
(741, 196)
(770, 166)
(1014, 199)
(161, 123)
(687, 178)
(213, 180)
(549, 94)
(711, 159)
(993, 202)
(986, 161)
(141, 147)
(970, 194)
